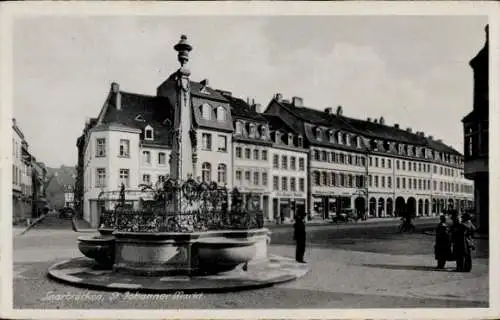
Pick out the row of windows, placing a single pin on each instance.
(16, 149)
(285, 163)
(247, 177)
(257, 154)
(206, 173)
(209, 113)
(19, 172)
(288, 184)
(146, 157)
(206, 142)
(254, 131)
(124, 150)
(341, 158)
(335, 179)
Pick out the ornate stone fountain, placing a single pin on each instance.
(189, 236)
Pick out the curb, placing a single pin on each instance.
(28, 228)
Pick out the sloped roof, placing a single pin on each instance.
(153, 109)
(276, 123)
(207, 93)
(241, 109)
(381, 131)
(318, 117)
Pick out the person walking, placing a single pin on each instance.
(299, 235)
(442, 248)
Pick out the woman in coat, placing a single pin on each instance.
(462, 233)
(442, 248)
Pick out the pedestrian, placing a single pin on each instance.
(299, 235)
(442, 248)
(469, 229)
(461, 233)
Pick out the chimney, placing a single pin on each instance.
(256, 107)
(297, 102)
(375, 120)
(339, 111)
(278, 96)
(13, 121)
(115, 89)
(430, 137)
(382, 120)
(396, 125)
(329, 110)
(408, 130)
(369, 119)
(204, 84)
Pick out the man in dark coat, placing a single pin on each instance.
(442, 248)
(461, 233)
(299, 235)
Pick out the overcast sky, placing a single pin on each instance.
(411, 70)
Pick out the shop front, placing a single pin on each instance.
(259, 197)
(324, 206)
(286, 205)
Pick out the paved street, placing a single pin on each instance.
(353, 266)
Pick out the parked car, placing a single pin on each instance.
(345, 216)
(66, 213)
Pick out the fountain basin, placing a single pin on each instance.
(106, 231)
(99, 248)
(169, 253)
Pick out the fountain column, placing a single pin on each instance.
(184, 140)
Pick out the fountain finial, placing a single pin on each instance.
(183, 48)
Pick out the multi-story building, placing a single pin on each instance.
(22, 177)
(371, 167)
(476, 136)
(289, 170)
(251, 153)
(38, 185)
(69, 197)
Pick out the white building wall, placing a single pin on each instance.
(154, 169)
(280, 195)
(213, 156)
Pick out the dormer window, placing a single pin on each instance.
(347, 138)
(221, 114)
(339, 137)
(206, 111)
(318, 134)
(300, 141)
(148, 133)
(277, 137)
(331, 135)
(263, 132)
(167, 123)
(290, 139)
(253, 130)
(239, 127)
(358, 142)
(139, 118)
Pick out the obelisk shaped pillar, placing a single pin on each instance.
(182, 166)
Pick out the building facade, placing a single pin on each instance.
(476, 134)
(27, 179)
(371, 168)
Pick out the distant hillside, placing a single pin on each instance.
(61, 177)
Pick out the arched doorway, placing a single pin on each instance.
(373, 207)
(434, 206)
(360, 206)
(400, 206)
(381, 207)
(420, 207)
(426, 207)
(441, 206)
(411, 207)
(389, 207)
